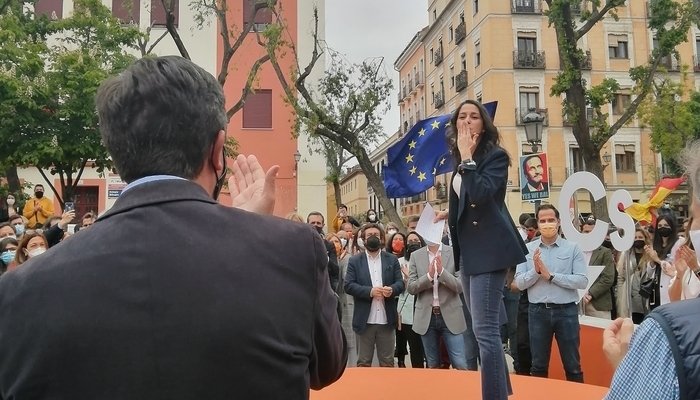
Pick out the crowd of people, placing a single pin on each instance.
(185, 311)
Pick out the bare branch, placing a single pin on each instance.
(172, 29)
(248, 85)
(595, 17)
(150, 48)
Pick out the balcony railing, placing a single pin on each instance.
(696, 64)
(418, 79)
(520, 113)
(461, 81)
(438, 56)
(670, 64)
(528, 59)
(460, 32)
(439, 100)
(587, 62)
(526, 6)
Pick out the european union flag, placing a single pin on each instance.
(421, 155)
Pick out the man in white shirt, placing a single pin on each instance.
(374, 280)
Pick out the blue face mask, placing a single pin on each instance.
(19, 229)
(7, 256)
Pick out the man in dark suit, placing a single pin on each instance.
(374, 280)
(170, 295)
(598, 300)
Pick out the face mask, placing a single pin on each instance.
(8, 256)
(608, 244)
(39, 195)
(19, 229)
(411, 248)
(391, 231)
(220, 179)
(10, 202)
(372, 217)
(548, 230)
(638, 244)
(343, 242)
(397, 247)
(360, 243)
(373, 243)
(36, 252)
(530, 235)
(664, 231)
(319, 229)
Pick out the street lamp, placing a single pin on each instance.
(606, 159)
(533, 128)
(297, 157)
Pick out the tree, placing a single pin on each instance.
(344, 111)
(673, 122)
(49, 103)
(669, 19)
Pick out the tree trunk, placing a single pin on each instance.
(13, 183)
(378, 186)
(336, 192)
(595, 166)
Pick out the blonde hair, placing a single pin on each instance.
(292, 216)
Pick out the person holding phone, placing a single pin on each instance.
(343, 217)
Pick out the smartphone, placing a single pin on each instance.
(69, 206)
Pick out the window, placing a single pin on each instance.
(452, 76)
(576, 160)
(527, 42)
(52, 9)
(624, 158)
(620, 102)
(434, 15)
(158, 12)
(432, 55)
(476, 6)
(257, 111)
(432, 93)
(479, 97)
(617, 46)
(477, 54)
(464, 61)
(127, 11)
(529, 98)
(262, 17)
(451, 34)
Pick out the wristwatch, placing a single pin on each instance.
(466, 165)
(551, 277)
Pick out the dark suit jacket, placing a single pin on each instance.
(600, 289)
(358, 283)
(172, 296)
(483, 233)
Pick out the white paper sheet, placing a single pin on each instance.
(429, 230)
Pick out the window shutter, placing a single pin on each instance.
(257, 111)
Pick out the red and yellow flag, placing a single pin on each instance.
(644, 212)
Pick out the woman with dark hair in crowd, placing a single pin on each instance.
(32, 245)
(8, 249)
(404, 331)
(662, 253)
(484, 238)
(396, 244)
(632, 268)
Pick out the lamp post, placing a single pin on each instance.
(533, 122)
(606, 159)
(297, 157)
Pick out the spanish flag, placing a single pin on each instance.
(644, 212)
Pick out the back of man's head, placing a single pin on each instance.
(523, 217)
(160, 116)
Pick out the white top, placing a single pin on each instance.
(431, 259)
(377, 313)
(457, 184)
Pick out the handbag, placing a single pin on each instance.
(646, 288)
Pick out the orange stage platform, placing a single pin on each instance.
(445, 384)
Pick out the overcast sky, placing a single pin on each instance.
(363, 29)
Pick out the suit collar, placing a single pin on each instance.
(158, 192)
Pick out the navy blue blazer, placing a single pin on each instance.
(483, 234)
(358, 284)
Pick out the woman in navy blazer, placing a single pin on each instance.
(485, 240)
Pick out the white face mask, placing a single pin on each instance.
(36, 252)
(343, 242)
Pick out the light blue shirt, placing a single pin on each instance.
(151, 178)
(564, 260)
(648, 371)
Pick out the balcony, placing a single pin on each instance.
(438, 56)
(401, 97)
(670, 64)
(528, 59)
(418, 80)
(526, 6)
(461, 81)
(460, 32)
(587, 62)
(440, 191)
(439, 100)
(589, 117)
(696, 64)
(520, 113)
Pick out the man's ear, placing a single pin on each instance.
(216, 160)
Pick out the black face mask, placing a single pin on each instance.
(411, 248)
(39, 194)
(373, 243)
(638, 244)
(608, 244)
(319, 229)
(219, 179)
(664, 231)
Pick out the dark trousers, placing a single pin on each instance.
(523, 363)
(407, 335)
(509, 331)
(559, 321)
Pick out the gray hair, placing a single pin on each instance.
(689, 159)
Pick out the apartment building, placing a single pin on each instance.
(505, 51)
(262, 127)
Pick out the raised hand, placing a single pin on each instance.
(616, 340)
(251, 188)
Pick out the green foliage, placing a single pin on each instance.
(49, 74)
